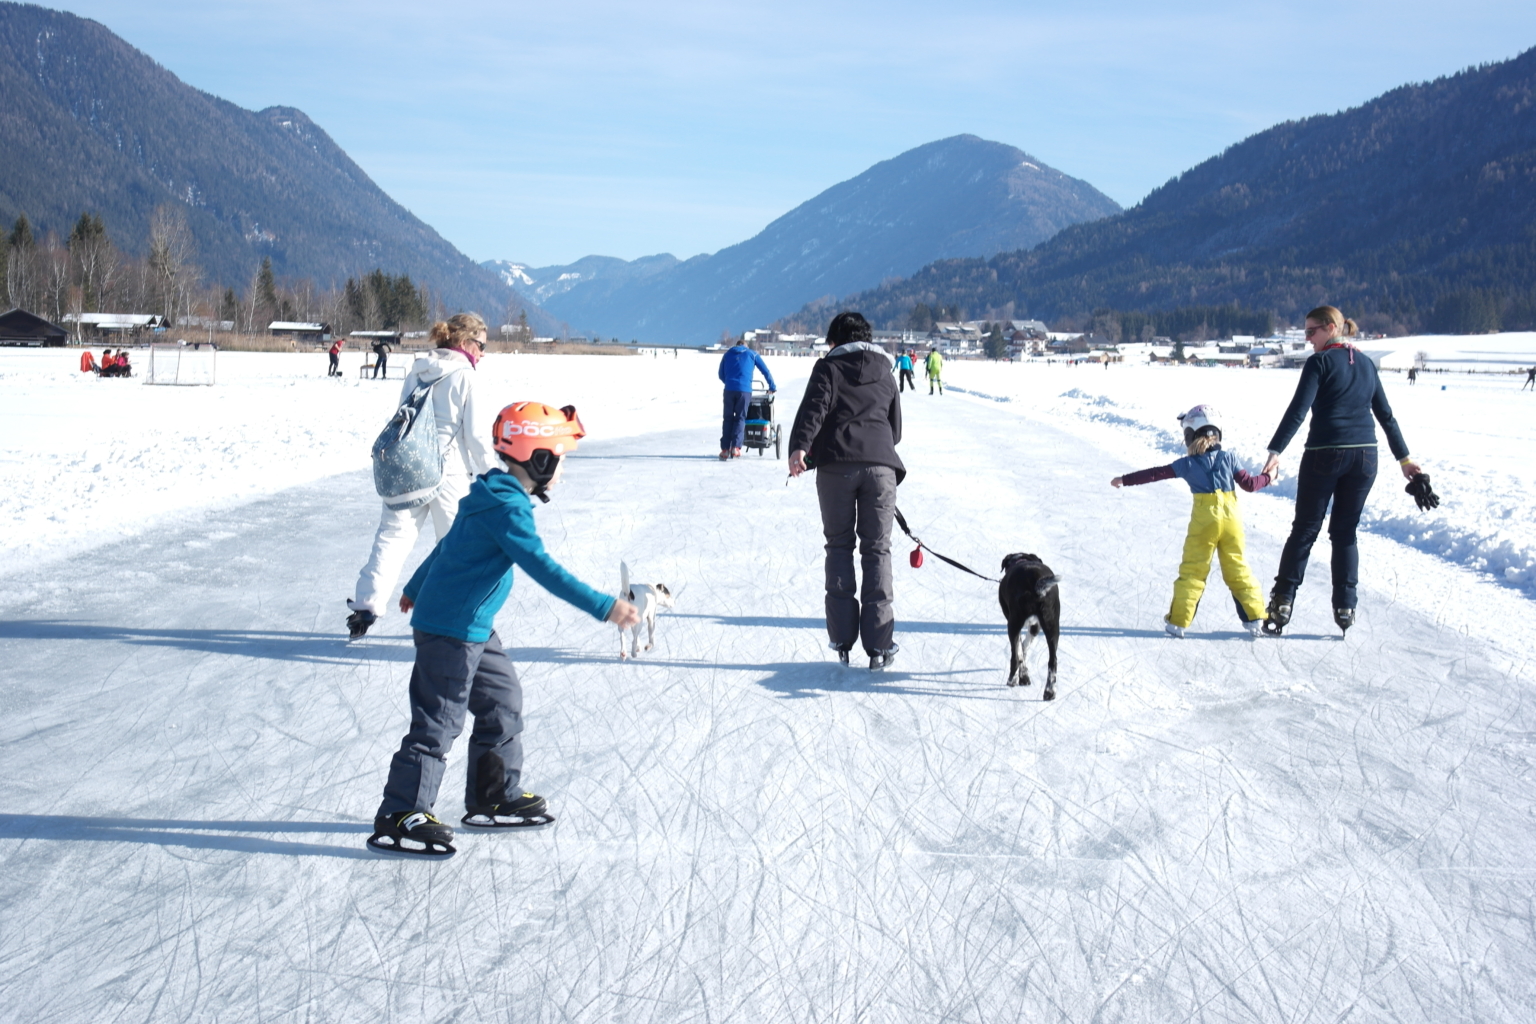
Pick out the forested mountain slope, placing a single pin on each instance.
(88, 123)
(1415, 210)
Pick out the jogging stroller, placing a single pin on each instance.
(762, 431)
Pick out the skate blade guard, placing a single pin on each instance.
(525, 822)
(405, 846)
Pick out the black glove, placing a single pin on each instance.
(1419, 488)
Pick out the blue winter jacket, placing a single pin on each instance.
(903, 362)
(466, 579)
(1341, 388)
(736, 368)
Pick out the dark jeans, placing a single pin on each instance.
(380, 366)
(335, 370)
(858, 500)
(907, 381)
(450, 677)
(1345, 476)
(733, 430)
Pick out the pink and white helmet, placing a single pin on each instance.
(1199, 418)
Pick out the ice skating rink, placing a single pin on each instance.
(1213, 829)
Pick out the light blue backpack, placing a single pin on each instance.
(407, 462)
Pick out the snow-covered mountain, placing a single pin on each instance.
(961, 196)
(540, 283)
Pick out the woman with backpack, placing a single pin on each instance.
(449, 370)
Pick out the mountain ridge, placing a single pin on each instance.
(90, 123)
(1401, 209)
(962, 195)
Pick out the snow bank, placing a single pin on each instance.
(87, 460)
(1467, 430)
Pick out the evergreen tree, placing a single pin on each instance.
(229, 306)
(21, 234)
(266, 284)
(997, 346)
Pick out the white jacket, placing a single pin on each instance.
(462, 430)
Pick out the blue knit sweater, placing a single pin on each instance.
(1342, 390)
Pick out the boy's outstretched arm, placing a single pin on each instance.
(1251, 482)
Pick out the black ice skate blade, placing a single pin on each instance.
(389, 846)
(488, 823)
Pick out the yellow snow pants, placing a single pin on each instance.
(1214, 527)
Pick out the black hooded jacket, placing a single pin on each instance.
(851, 411)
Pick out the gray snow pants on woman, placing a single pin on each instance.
(450, 677)
(858, 500)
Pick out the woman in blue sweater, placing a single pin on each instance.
(1339, 386)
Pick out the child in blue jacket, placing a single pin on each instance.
(460, 665)
(1214, 525)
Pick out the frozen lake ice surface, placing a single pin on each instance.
(1214, 829)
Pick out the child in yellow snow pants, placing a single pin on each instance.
(1214, 524)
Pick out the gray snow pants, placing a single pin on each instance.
(858, 500)
(450, 677)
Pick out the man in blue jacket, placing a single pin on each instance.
(736, 368)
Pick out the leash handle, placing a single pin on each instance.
(901, 521)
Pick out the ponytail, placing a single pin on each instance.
(455, 331)
(1330, 315)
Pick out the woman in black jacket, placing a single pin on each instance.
(847, 429)
(1340, 387)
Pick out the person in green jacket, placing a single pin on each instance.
(935, 368)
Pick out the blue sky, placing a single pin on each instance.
(543, 133)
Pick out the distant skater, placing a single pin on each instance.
(335, 370)
(1413, 375)
(935, 368)
(380, 358)
(904, 372)
(1530, 379)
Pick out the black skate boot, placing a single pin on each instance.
(882, 660)
(525, 811)
(415, 833)
(842, 654)
(358, 623)
(1279, 614)
(1344, 618)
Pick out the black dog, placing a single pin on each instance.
(1029, 597)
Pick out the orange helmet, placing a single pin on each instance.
(534, 436)
(525, 427)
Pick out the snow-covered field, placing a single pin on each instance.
(1214, 829)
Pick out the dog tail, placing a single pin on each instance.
(1045, 586)
(624, 581)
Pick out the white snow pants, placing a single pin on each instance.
(397, 535)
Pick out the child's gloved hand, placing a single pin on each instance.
(624, 615)
(1423, 495)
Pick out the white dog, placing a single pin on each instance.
(649, 598)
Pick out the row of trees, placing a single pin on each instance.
(88, 273)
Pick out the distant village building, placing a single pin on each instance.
(18, 327)
(315, 333)
(367, 338)
(99, 324)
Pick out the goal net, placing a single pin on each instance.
(181, 364)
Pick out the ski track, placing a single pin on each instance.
(1207, 830)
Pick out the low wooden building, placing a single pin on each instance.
(313, 333)
(18, 327)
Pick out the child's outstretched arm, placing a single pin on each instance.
(1251, 482)
(1144, 476)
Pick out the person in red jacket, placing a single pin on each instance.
(335, 370)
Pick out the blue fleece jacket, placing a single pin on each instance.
(736, 368)
(1343, 391)
(466, 579)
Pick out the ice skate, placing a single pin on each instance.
(358, 623)
(1279, 615)
(411, 833)
(525, 811)
(1177, 632)
(1344, 618)
(883, 660)
(1255, 627)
